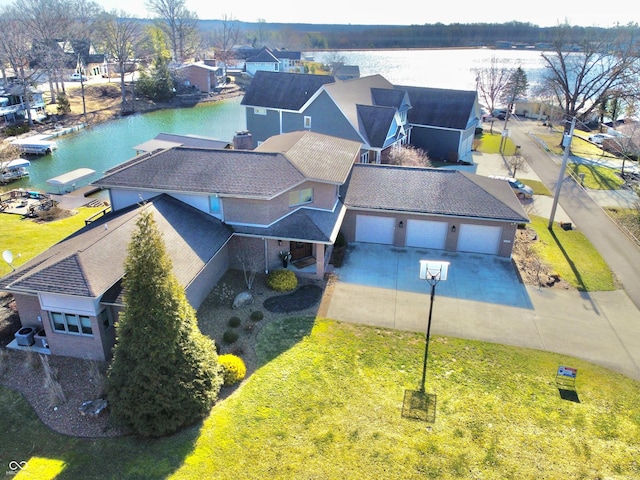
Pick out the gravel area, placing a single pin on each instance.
(81, 380)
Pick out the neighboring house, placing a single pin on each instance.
(269, 60)
(200, 75)
(443, 121)
(347, 72)
(367, 109)
(220, 208)
(79, 56)
(13, 106)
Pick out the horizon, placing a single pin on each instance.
(548, 13)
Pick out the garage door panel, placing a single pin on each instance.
(426, 234)
(372, 229)
(479, 239)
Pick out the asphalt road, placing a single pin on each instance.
(621, 254)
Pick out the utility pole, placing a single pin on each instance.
(566, 142)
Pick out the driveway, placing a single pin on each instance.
(482, 299)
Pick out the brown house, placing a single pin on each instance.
(293, 194)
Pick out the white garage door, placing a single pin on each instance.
(426, 234)
(479, 239)
(373, 229)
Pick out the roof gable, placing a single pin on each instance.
(376, 124)
(316, 156)
(284, 91)
(440, 107)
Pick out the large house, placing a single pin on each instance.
(265, 59)
(218, 208)
(369, 109)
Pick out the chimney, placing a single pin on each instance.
(243, 140)
(211, 62)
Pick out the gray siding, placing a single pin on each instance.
(438, 143)
(326, 118)
(263, 126)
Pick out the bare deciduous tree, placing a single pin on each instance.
(516, 163)
(122, 36)
(225, 38)
(583, 73)
(409, 156)
(180, 25)
(251, 257)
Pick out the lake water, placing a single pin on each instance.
(107, 145)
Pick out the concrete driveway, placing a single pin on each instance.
(483, 300)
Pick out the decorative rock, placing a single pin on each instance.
(93, 408)
(242, 300)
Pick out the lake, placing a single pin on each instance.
(106, 145)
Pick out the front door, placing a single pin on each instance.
(300, 250)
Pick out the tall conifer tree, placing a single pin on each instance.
(165, 373)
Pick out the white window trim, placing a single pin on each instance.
(300, 200)
(307, 122)
(66, 324)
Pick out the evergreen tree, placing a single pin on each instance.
(165, 373)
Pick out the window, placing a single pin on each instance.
(364, 157)
(71, 323)
(259, 111)
(299, 197)
(307, 122)
(214, 204)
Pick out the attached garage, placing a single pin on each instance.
(479, 239)
(374, 229)
(426, 234)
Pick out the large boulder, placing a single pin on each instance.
(242, 300)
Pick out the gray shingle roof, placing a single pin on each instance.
(317, 156)
(387, 97)
(286, 91)
(305, 225)
(440, 107)
(375, 123)
(223, 172)
(431, 191)
(91, 261)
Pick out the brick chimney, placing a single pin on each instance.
(243, 140)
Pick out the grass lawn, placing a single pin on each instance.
(597, 177)
(539, 188)
(628, 218)
(327, 402)
(573, 257)
(27, 238)
(490, 143)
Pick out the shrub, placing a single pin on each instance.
(233, 368)
(63, 106)
(234, 322)
(282, 280)
(341, 241)
(257, 315)
(230, 336)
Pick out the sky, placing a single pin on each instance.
(544, 13)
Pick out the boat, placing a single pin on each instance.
(14, 170)
(35, 146)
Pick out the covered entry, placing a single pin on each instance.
(374, 229)
(479, 239)
(426, 234)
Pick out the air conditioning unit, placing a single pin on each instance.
(40, 339)
(24, 336)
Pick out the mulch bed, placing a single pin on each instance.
(300, 299)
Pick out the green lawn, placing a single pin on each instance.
(572, 256)
(490, 143)
(327, 402)
(26, 238)
(597, 177)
